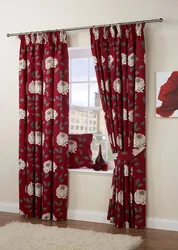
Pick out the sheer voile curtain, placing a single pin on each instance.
(43, 138)
(119, 55)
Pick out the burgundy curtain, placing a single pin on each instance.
(119, 55)
(43, 141)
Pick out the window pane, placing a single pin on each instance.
(97, 140)
(80, 94)
(92, 70)
(79, 69)
(94, 121)
(78, 121)
(94, 95)
(110, 154)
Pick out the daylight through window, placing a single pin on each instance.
(86, 115)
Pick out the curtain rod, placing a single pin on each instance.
(86, 27)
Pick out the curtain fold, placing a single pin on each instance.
(119, 55)
(43, 126)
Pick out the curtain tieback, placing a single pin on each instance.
(124, 156)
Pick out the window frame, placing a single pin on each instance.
(85, 52)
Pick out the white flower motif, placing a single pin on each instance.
(107, 85)
(95, 60)
(63, 36)
(28, 63)
(50, 114)
(45, 37)
(54, 166)
(62, 191)
(47, 166)
(96, 33)
(131, 60)
(120, 197)
(31, 87)
(38, 87)
(139, 84)
(144, 58)
(54, 218)
(38, 189)
(22, 64)
(62, 139)
(117, 85)
(43, 138)
(118, 30)
(137, 151)
(125, 114)
(63, 87)
(46, 216)
(21, 212)
(131, 115)
(123, 58)
(22, 164)
(126, 170)
(140, 197)
(49, 62)
(110, 61)
(32, 38)
(112, 139)
(102, 85)
(22, 114)
(127, 224)
(112, 30)
(39, 38)
(139, 140)
(119, 140)
(30, 188)
(55, 62)
(38, 138)
(131, 198)
(113, 114)
(44, 87)
(72, 146)
(126, 33)
(27, 40)
(31, 137)
(55, 114)
(139, 29)
(102, 59)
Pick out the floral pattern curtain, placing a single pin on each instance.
(119, 56)
(43, 140)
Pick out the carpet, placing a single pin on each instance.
(27, 236)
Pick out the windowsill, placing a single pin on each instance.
(90, 171)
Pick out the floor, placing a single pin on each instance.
(153, 239)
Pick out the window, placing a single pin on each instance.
(84, 101)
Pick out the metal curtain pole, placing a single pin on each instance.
(85, 27)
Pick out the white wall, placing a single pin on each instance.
(162, 55)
